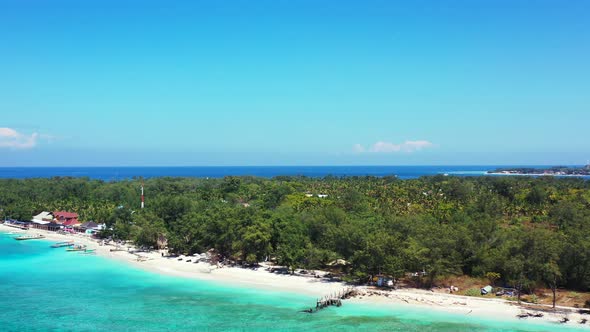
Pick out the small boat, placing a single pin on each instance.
(29, 237)
(63, 244)
(77, 248)
(88, 252)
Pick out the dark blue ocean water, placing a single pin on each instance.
(121, 173)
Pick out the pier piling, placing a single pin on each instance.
(334, 299)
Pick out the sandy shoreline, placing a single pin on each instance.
(315, 287)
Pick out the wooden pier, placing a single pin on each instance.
(334, 299)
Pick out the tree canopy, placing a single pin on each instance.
(528, 232)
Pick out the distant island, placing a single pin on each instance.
(555, 170)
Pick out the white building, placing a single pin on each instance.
(43, 218)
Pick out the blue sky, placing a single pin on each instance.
(294, 82)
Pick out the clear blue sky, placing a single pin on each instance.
(294, 82)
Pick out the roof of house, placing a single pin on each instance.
(64, 214)
(71, 222)
(14, 221)
(88, 225)
(41, 222)
(43, 218)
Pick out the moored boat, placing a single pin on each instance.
(29, 237)
(62, 244)
(77, 248)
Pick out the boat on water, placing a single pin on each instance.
(88, 252)
(29, 237)
(62, 244)
(76, 248)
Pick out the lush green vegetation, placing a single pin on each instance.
(522, 232)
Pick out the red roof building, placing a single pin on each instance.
(71, 222)
(66, 218)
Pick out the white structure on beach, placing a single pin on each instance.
(43, 218)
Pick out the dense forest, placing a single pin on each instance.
(529, 232)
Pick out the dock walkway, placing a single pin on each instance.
(334, 299)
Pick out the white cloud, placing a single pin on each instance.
(10, 138)
(358, 148)
(387, 147)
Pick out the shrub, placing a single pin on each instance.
(473, 292)
(492, 277)
(534, 299)
(574, 295)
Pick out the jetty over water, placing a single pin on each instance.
(334, 299)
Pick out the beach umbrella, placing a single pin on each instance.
(338, 262)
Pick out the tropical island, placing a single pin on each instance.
(524, 238)
(551, 171)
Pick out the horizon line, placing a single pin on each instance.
(336, 165)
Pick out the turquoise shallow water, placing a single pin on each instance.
(45, 289)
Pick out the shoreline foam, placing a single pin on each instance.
(314, 287)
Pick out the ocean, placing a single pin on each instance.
(44, 289)
(122, 173)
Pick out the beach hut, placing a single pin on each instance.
(66, 218)
(89, 227)
(73, 223)
(17, 224)
(43, 218)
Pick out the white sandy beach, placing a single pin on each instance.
(261, 278)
